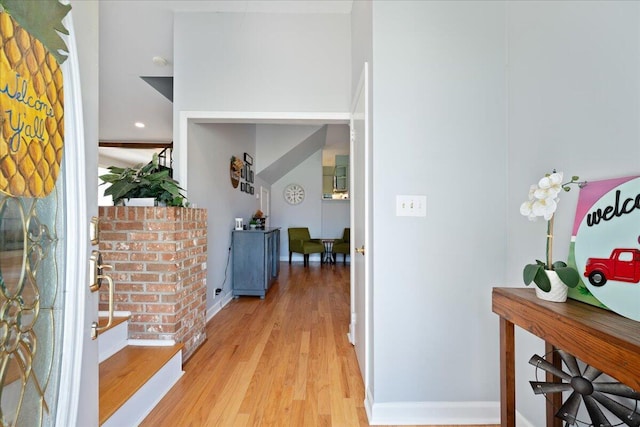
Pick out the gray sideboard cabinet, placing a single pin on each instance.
(256, 261)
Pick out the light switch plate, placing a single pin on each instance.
(408, 205)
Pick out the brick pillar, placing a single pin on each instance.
(159, 259)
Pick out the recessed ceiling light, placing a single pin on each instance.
(139, 125)
(159, 60)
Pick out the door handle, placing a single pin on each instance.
(95, 282)
(95, 329)
(360, 250)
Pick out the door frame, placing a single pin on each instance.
(181, 145)
(77, 239)
(362, 90)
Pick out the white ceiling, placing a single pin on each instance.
(132, 32)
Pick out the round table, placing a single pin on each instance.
(327, 255)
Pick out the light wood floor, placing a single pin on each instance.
(281, 361)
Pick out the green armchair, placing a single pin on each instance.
(343, 245)
(300, 241)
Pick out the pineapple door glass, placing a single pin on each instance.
(31, 219)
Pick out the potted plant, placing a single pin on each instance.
(259, 218)
(551, 278)
(144, 181)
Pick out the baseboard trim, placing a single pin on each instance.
(216, 307)
(151, 343)
(436, 413)
(440, 413)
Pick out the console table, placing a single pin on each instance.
(598, 337)
(256, 262)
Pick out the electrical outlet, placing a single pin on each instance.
(411, 205)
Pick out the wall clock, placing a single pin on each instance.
(294, 194)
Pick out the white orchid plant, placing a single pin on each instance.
(543, 202)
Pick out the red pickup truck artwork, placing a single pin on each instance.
(622, 265)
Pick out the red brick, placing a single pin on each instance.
(161, 247)
(112, 236)
(128, 266)
(146, 237)
(129, 246)
(144, 256)
(144, 298)
(145, 277)
(146, 318)
(160, 288)
(133, 308)
(114, 256)
(159, 308)
(160, 225)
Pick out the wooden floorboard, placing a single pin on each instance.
(281, 361)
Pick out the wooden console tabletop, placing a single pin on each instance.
(598, 337)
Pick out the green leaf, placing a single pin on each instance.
(43, 20)
(568, 276)
(530, 272)
(559, 264)
(542, 281)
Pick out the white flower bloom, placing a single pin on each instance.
(526, 209)
(545, 208)
(532, 192)
(551, 185)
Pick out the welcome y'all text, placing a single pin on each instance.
(19, 124)
(617, 210)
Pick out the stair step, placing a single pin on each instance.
(134, 380)
(117, 320)
(114, 339)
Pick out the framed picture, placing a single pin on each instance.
(248, 159)
(242, 186)
(242, 173)
(250, 176)
(251, 189)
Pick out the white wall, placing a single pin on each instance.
(335, 218)
(574, 96)
(473, 102)
(261, 62)
(438, 122)
(210, 149)
(306, 214)
(274, 141)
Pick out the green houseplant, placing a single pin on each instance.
(150, 180)
(543, 202)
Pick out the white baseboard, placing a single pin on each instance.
(218, 305)
(436, 413)
(151, 343)
(440, 413)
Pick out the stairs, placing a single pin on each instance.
(133, 378)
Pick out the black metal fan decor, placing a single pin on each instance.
(583, 387)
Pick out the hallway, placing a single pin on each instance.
(281, 361)
(284, 360)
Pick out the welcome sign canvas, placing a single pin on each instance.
(605, 246)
